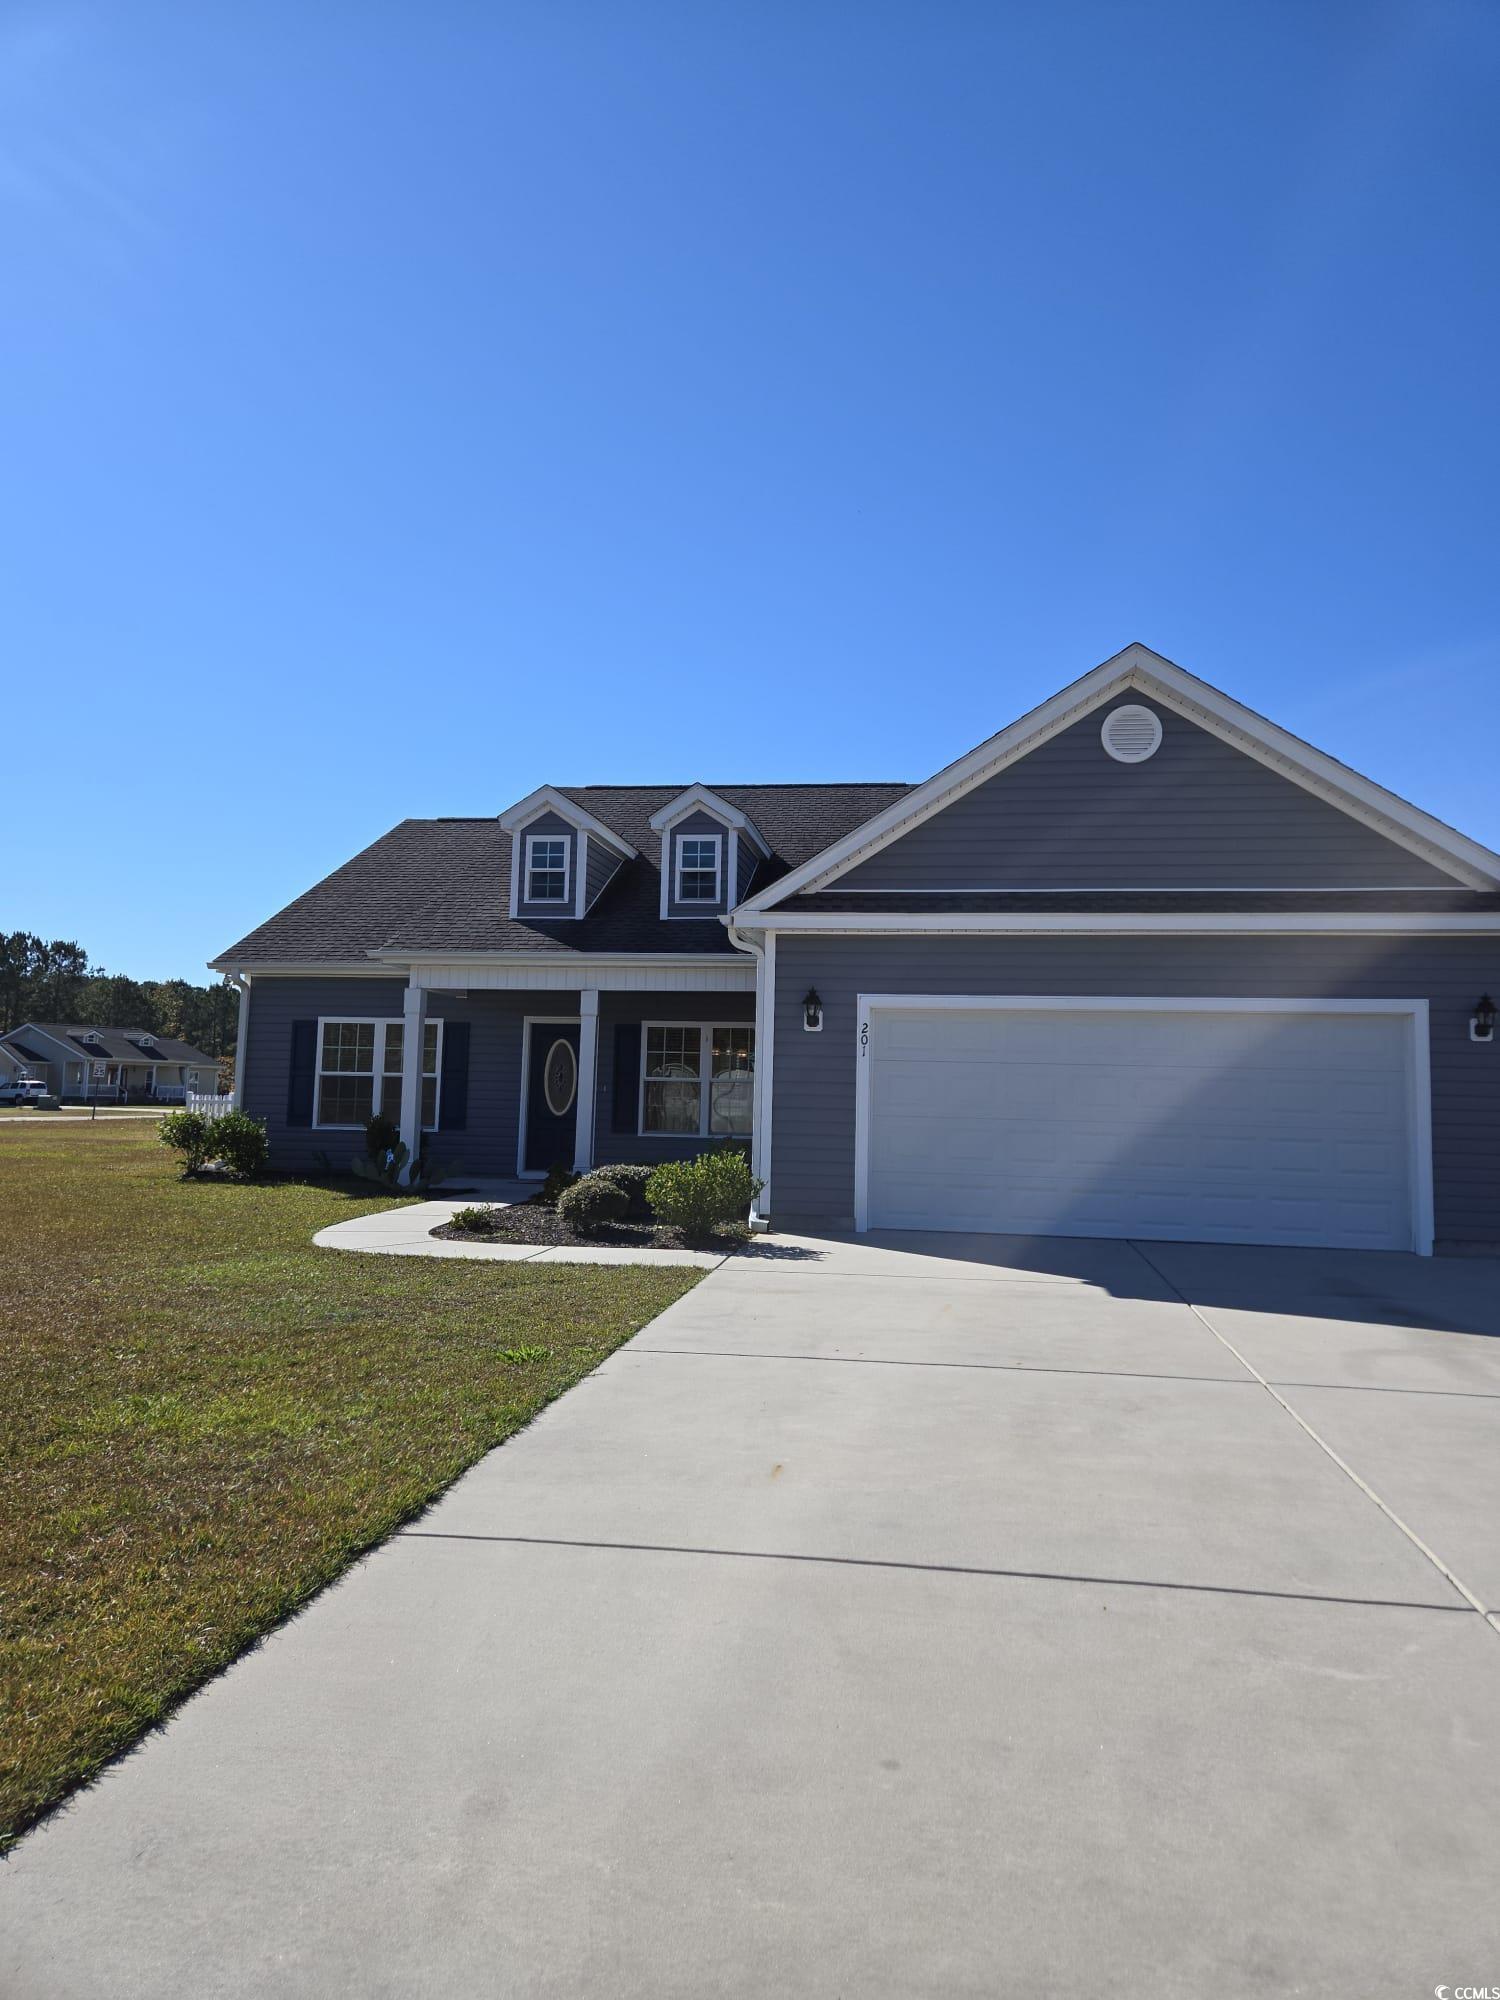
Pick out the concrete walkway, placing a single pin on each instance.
(407, 1232)
(925, 1616)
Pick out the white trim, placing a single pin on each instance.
(380, 1022)
(565, 842)
(698, 798)
(1160, 680)
(581, 873)
(718, 973)
(699, 904)
(528, 1021)
(242, 1043)
(1163, 889)
(1419, 1066)
(327, 968)
(547, 798)
(1090, 923)
(706, 1032)
(588, 1081)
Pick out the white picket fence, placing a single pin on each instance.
(208, 1103)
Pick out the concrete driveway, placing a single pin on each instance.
(910, 1616)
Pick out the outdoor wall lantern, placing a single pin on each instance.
(1482, 1020)
(812, 1012)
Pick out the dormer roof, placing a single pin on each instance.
(700, 798)
(547, 798)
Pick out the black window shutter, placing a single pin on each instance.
(453, 1110)
(626, 1097)
(299, 1086)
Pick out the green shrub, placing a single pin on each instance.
(186, 1132)
(591, 1203)
(633, 1180)
(699, 1196)
(473, 1221)
(382, 1136)
(238, 1142)
(235, 1140)
(560, 1177)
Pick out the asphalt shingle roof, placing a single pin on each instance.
(117, 1044)
(444, 884)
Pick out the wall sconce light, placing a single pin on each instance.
(812, 1012)
(1482, 1020)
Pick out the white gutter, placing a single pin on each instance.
(241, 1038)
(765, 1056)
(1096, 923)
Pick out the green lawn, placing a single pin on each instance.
(204, 1420)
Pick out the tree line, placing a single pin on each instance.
(52, 980)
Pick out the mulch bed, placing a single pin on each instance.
(537, 1222)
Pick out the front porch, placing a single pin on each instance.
(503, 1070)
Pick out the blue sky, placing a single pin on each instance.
(403, 406)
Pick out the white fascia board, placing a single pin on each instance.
(561, 959)
(699, 798)
(548, 799)
(1149, 673)
(1100, 923)
(342, 968)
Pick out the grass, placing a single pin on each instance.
(205, 1420)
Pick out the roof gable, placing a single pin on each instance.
(1196, 814)
(1450, 855)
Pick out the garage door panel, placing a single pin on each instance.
(1261, 1128)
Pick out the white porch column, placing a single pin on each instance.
(588, 1081)
(765, 1051)
(414, 1016)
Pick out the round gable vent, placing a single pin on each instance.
(1131, 734)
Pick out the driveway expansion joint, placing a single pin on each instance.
(1474, 1601)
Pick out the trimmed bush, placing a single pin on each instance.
(235, 1140)
(633, 1181)
(591, 1203)
(473, 1221)
(700, 1196)
(238, 1142)
(560, 1177)
(186, 1132)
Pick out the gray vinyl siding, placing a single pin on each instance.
(696, 823)
(1198, 814)
(602, 863)
(749, 861)
(614, 1008)
(813, 1129)
(487, 1145)
(550, 823)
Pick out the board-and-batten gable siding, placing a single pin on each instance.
(617, 1009)
(695, 823)
(813, 1135)
(487, 1144)
(550, 823)
(1197, 814)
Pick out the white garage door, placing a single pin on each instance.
(1215, 1126)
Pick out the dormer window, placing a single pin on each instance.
(699, 858)
(546, 868)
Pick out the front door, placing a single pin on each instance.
(552, 1095)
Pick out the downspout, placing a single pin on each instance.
(765, 1002)
(241, 1037)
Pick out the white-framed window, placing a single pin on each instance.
(547, 868)
(697, 1079)
(699, 857)
(359, 1072)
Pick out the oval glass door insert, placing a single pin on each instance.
(560, 1078)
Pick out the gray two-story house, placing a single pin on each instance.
(1142, 964)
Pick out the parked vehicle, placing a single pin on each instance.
(25, 1090)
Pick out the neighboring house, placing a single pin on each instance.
(1143, 964)
(14, 1068)
(112, 1065)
